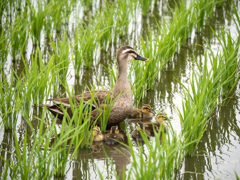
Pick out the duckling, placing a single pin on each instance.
(160, 118)
(149, 126)
(144, 112)
(113, 136)
(137, 135)
(98, 136)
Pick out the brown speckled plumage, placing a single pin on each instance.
(123, 105)
(144, 112)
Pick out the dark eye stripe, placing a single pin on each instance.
(131, 51)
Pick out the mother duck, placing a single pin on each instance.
(122, 90)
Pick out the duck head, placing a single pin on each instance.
(127, 54)
(146, 108)
(140, 126)
(114, 130)
(96, 131)
(160, 119)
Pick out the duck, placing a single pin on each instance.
(160, 119)
(150, 126)
(144, 112)
(113, 136)
(98, 136)
(121, 108)
(136, 133)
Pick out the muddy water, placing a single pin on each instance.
(217, 156)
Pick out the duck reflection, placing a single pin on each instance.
(101, 151)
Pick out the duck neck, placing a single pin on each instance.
(122, 85)
(122, 72)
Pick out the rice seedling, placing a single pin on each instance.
(121, 20)
(145, 6)
(161, 47)
(67, 11)
(38, 161)
(80, 119)
(77, 61)
(18, 36)
(87, 43)
(164, 158)
(37, 78)
(228, 59)
(10, 102)
(48, 25)
(60, 13)
(197, 105)
(236, 175)
(4, 47)
(37, 19)
(87, 3)
(61, 55)
(198, 102)
(3, 5)
(55, 79)
(33, 161)
(105, 20)
(112, 68)
(105, 110)
(204, 10)
(62, 156)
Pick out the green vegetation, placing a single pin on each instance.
(10, 102)
(45, 69)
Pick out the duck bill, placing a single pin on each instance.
(141, 58)
(99, 132)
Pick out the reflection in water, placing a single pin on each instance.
(218, 146)
(86, 160)
(7, 148)
(217, 153)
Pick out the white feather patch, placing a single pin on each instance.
(126, 50)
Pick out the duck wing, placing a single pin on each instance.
(99, 98)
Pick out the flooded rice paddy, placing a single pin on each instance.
(217, 155)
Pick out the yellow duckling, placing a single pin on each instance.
(144, 112)
(98, 136)
(113, 136)
(137, 135)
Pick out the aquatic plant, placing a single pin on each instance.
(18, 37)
(204, 10)
(164, 158)
(216, 82)
(87, 43)
(161, 46)
(61, 55)
(10, 101)
(145, 6)
(4, 46)
(56, 14)
(198, 103)
(105, 110)
(105, 20)
(121, 20)
(37, 19)
(36, 79)
(227, 59)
